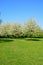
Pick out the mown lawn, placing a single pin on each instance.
(21, 52)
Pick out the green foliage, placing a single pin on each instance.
(0, 21)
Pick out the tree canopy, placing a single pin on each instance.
(30, 29)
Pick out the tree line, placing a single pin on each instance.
(29, 30)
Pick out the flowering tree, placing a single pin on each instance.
(32, 29)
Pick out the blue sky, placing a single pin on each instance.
(21, 10)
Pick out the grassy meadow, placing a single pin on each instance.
(21, 52)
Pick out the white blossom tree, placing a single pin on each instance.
(31, 28)
(17, 30)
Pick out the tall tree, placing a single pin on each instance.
(31, 28)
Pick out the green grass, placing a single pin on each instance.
(21, 52)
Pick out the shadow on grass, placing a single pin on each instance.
(32, 39)
(6, 40)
